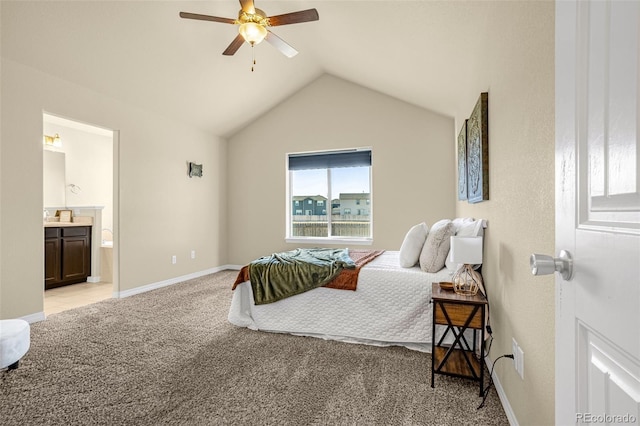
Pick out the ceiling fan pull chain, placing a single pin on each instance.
(253, 57)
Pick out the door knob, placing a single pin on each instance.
(541, 264)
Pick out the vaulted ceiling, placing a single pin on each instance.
(142, 53)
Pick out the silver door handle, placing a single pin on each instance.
(541, 264)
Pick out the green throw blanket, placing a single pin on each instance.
(293, 272)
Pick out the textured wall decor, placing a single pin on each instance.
(478, 151)
(195, 170)
(462, 162)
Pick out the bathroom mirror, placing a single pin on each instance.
(54, 179)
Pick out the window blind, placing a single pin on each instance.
(330, 160)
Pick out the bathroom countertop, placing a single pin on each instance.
(52, 222)
(64, 224)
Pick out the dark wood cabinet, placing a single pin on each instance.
(52, 259)
(67, 255)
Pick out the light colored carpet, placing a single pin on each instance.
(169, 357)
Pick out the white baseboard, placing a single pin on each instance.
(31, 318)
(511, 416)
(93, 279)
(160, 284)
(233, 267)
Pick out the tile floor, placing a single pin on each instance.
(75, 295)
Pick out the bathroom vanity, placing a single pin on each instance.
(67, 253)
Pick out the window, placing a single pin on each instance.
(340, 177)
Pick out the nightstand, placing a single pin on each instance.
(459, 314)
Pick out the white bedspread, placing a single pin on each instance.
(391, 306)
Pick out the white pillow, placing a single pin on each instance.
(459, 221)
(472, 228)
(436, 248)
(412, 245)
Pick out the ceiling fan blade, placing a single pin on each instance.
(234, 46)
(199, 17)
(247, 6)
(294, 17)
(281, 45)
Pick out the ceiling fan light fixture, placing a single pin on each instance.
(252, 32)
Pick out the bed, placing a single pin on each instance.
(391, 306)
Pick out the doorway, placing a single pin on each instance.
(80, 177)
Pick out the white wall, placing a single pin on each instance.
(162, 212)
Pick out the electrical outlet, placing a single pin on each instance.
(174, 260)
(518, 358)
(193, 254)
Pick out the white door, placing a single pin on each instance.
(598, 211)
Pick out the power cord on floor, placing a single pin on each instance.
(486, 391)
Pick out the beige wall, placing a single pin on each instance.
(518, 73)
(162, 211)
(413, 177)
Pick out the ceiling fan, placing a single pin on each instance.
(253, 24)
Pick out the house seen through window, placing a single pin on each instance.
(340, 180)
